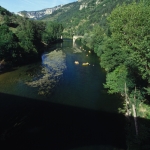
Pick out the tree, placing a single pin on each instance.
(116, 79)
(25, 33)
(130, 27)
(39, 28)
(52, 32)
(129, 42)
(94, 38)
(8, 44)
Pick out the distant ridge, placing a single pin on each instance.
(38, 14)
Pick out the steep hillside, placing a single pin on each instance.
(65, 11)
(4, 15)
(80, 17)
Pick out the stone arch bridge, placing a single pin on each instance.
(76, 37)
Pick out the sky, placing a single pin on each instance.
(31, 5)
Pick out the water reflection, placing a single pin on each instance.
(58, 79)
(75, 48)
(53, 65)
(74, 44)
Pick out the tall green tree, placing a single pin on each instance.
(94, 39)
(129, 43)
(25, 33)
(8, 44)
(116, 79)
(132, 28)
(52, 32)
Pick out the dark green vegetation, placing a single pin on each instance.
(125, 50)
(22, 40)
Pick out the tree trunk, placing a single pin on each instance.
(135, 118)
(127, 102)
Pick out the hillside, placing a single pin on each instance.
(79, 17)
(22, 39)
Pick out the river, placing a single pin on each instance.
(58, 104)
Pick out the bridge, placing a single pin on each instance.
(76, 37)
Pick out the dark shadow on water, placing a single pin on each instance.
(32, 124)
(7, 70)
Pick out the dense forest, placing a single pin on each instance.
(22, 40)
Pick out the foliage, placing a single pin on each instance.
(21, 39)
(129, 41)
(8, 45)
(115, 80)
(3, 11)
(25, 34)
(81, 21)
(94, 38)
(52, 31)
(132, 29)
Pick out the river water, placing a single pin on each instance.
(57, 104)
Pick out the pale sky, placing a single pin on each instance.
(31, 5)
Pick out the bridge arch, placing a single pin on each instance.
(76, 37)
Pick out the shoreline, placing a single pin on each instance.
(9, 66)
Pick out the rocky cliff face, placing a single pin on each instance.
(38, 14)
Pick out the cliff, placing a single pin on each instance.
(38, 14)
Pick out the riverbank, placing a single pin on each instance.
(136, 109)
(6, 66)
(77, 114)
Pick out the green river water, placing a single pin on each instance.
(57, 104)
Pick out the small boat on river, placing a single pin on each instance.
(76, 62)
(85, 64)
